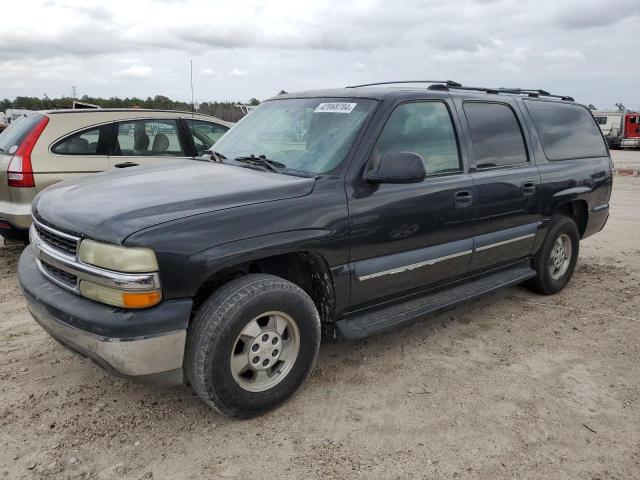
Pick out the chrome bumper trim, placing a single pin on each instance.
(72, 266)
(130, 357)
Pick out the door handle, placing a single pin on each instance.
(463, 198)
(528, 188)
(125, 165)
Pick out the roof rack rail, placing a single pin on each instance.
(535, 93)
(447, 83)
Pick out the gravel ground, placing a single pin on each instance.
(626, 158)
(514, 385)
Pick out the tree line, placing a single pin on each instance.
(229, 111)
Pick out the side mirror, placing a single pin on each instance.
(398, 167)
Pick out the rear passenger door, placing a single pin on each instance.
(506, 181)
(77, 154)
(147, 142)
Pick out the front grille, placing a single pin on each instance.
(60, 275)
(59, 242)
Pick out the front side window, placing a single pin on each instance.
(87, 142)
(311, 135)
(205, 134)
(424, 128)
(566, 130)
(149, 138)
(495, 134)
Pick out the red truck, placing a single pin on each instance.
(631, 135)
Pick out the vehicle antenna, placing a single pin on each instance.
(50, 101)
(191, 74)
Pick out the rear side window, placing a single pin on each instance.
(495, 134)
(149, 138)
(88, 142)
(15, 133)
(601, 120)
(566, 130)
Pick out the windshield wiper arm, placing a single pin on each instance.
(263, 161)
(217, 156)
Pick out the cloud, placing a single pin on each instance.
(135, 71)
(292, 45)
(580, 14)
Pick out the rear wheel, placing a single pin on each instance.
(556, 260)
(252, 344)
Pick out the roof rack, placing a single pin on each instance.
(447, 83)
(535, 93)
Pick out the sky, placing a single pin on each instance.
(589, 49)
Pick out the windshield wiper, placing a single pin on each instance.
(262, 161)
(216, 156)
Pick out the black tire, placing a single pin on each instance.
(212, 337)
(543, 282)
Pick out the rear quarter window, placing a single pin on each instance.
(567, 131)
(15, 133)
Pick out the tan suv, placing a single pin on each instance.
(47, 147)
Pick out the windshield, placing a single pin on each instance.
(311, 135)
(15, 133)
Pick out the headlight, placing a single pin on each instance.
(118, 259)
(119, 298)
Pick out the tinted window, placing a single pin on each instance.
(82, 143)
(149, 138)
(601, 120)
(424, 128)
(16, 132)
(566, 130)
(205, 134)
(495, 134)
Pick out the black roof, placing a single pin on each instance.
(382, 90)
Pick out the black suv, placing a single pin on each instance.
(350, 211)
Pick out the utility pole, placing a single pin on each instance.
(73, 91)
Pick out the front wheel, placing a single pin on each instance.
(556, 260)
(252, 344)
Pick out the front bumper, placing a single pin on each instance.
(144, 345)
(630, 143)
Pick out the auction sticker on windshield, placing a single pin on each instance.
(335, 107)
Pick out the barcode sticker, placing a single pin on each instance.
(335, 107)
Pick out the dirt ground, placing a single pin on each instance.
(514, 385)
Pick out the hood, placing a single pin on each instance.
(111, 206)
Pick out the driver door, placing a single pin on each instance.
(408, 237)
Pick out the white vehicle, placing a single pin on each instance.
(14, 113)
(610, 122)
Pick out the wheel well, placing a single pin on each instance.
(307, 270)
(578, 211)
